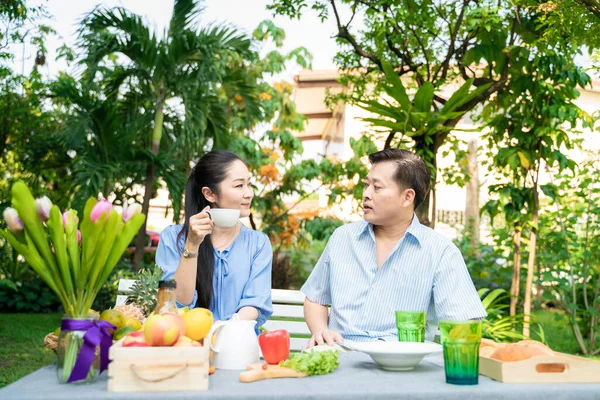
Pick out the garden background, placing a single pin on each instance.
(500, 98)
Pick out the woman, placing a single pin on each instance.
(227, 270)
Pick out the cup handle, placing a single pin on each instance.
(210, 335)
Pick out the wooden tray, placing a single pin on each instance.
(563, 368)
(157, 369)
(256, 372)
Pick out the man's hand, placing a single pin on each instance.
(325, 336)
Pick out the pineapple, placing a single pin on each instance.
(144, 291)
(131, 311)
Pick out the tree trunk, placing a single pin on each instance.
(472, 204)
(423, 211)
(426, 212)
(531, 258)
(538, 287)
(516, 277)
(281, 277)
(594, 319)
(140, 242)
(577, 332)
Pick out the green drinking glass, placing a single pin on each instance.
(460, 340)
(411, 326)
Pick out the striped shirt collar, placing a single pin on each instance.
(415, 230)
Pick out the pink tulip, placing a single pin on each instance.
(130, 210)
(78, 236)
(11, 216)
(65, 217)
(100, 208)
(43, 205)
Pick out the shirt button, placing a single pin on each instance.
(373, 287)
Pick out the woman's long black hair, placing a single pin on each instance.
(209, 172)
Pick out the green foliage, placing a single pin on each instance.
(576, 21)
(20, 23)
(302, 261)
(401, 65)
(558, 333)
(31, 295)
(487, 263)
(570, 233)
(499, 326)
(415, 118)
(31, 148)
(200, 68)
(322, 228)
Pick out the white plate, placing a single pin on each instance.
(397, 356)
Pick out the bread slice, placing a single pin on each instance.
(520, 351)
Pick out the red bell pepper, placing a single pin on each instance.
(275, 345)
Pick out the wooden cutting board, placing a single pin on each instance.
(257, 373)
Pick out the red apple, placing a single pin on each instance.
(135, 339)
(162, 329)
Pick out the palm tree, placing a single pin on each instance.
(99, 131)
(182, 73)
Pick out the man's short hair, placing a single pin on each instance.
(411, 171)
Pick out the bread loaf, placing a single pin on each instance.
(487, 351)
(520, 351)
(490, 343)
(534, 343)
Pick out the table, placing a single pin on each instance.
(358, 377)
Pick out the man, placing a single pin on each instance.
(389, 262)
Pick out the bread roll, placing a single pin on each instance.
(534, 343)
(490, 343)
(519, 352)
(487, 351)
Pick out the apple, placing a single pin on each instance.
(135, 339)
(186, 341)
(163, 329)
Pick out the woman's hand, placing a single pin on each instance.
(200, 225)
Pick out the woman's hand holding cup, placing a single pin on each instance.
(201, 225)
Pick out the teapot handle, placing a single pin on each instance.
(212, 332)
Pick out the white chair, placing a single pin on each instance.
(288, 312)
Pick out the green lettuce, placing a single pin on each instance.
(314, 362)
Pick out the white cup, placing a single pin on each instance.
(224, 217)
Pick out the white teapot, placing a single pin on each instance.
(235, 345)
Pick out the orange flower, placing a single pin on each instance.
(274, 156)
(265, 96)
(268, 173)
(238, 99)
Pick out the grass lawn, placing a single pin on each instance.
(22, 337)
(559, 335)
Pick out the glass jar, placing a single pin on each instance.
(67, 352)
(165, 299)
